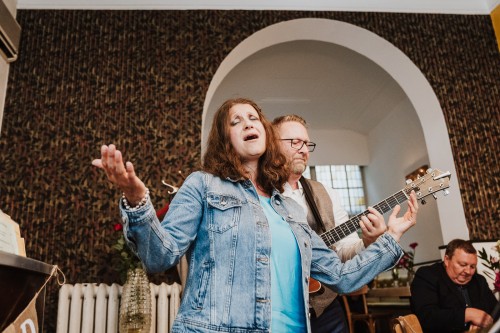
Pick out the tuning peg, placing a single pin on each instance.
(408, 181)
(435, 196)
(428, 170)
(446, 192)
(174, 188)
(423, 202)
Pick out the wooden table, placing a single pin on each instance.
(393, 292)
(395, 300)
(391, 300)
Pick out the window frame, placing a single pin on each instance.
(349, 206)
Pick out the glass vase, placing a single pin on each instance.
(395, 277)
(411, 275)
(135, 307)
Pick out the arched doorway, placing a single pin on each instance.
(396, 64)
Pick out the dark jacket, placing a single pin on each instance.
(439, 304)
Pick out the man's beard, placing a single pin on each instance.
(297, 167)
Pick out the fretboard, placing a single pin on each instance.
(345, 229)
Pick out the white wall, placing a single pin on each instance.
(397, 147)
(403, 6)
(4, 67)
(338, 147)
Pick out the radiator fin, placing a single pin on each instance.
(94, 308)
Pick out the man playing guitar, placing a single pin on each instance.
(327, 315)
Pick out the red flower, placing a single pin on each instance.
(160, 213)
(406, 260)
(118, 227)
(414, 245)
(497, 282)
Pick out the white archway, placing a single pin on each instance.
(396, 64)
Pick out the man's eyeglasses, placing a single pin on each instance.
(298, 144)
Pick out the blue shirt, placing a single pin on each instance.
(287, 300)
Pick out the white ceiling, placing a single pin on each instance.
(412, 6)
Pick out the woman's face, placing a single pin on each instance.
(246, 132)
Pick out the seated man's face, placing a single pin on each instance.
(461, 266)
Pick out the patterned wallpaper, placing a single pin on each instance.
(139, 78)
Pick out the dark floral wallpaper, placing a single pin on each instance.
(139, 79)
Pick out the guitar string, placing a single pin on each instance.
(353, 224)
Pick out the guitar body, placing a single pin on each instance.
(432, 182)
(314, 286)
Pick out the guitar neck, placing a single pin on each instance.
(345, 229)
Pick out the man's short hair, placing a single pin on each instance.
(289, 117)
(461, 244)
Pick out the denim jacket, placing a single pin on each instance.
(221, 227)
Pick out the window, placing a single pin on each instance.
(346, 179)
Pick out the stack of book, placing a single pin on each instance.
(10, 236)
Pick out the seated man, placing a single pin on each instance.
(450, 296)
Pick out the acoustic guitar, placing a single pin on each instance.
(429, 184)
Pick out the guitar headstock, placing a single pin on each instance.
(433, 181)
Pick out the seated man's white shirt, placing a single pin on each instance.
(347, 247)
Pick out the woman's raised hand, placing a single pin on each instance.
(121, 174)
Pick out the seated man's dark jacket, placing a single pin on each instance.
(439, 304)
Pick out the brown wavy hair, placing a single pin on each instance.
(221, 159)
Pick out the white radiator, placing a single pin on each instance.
(92, 308)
